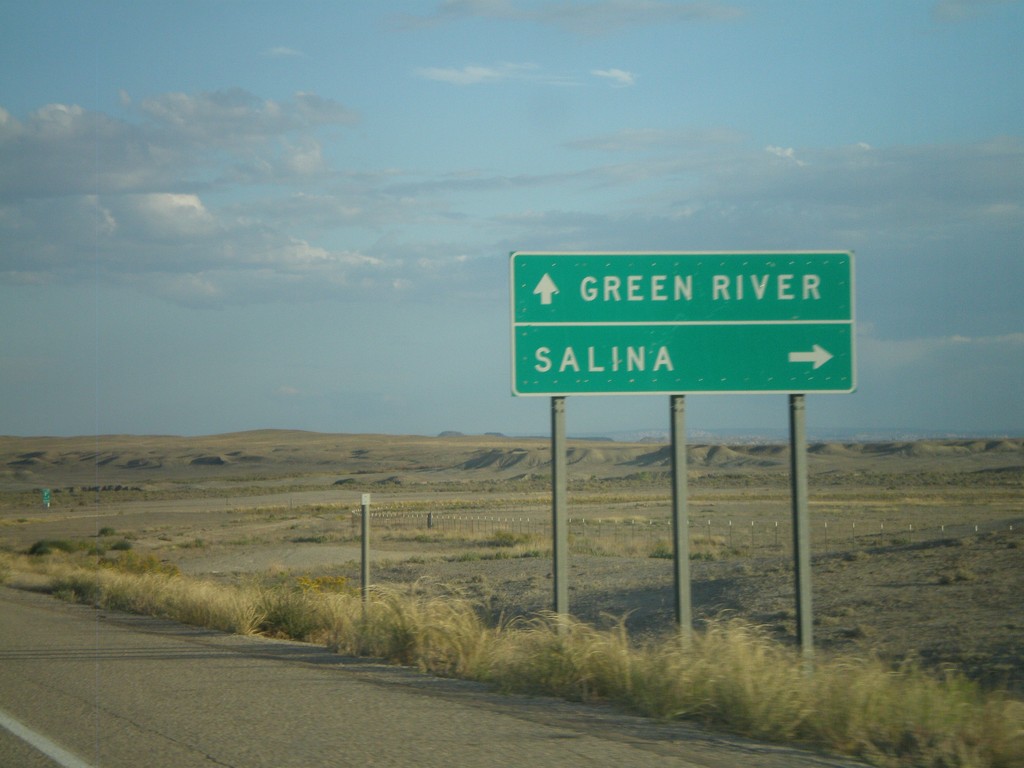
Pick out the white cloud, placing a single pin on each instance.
(283, 52)
(306, 158)
(665, 140)
(912, 375)
(173, 215)
(227, 117)
(786, 153)
(605, 16)
(192, 289)
(586, 17)
(618, 77)
(223, 198)
(316, 110)
(65, 149)
(469, 75)
(964, 10)
(106, 223)
(297, 254)
(474, 74)
(255, 271)
(57, 119)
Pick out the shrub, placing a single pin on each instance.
(132, 562)
(662, 550)
(324, 584)
(290, 614)
(49, 546)
(441, 635)
(78, 586)
(508, 539)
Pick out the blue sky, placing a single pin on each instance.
(218, 216)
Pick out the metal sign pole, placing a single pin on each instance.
(680, 519)
(801, 524)
(559, 516)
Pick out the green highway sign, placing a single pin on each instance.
(633, 323)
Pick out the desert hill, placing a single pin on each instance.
(28, 462)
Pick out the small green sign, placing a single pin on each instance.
(46, 497)
(682, 322)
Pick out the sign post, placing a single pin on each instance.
(681, 323)
(365, 548)
(801, 524)
(559, 512)
(680, 520)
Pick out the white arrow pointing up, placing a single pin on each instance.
(818, 355)
(545, 288)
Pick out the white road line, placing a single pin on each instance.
(58, 754)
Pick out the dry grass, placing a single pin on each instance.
(730, 674)
(440, 635)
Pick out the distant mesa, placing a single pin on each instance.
(715, 456)
(1002, 446)
(451, 433)
(30, 462)
(834, 449)
(98, 459)
(504, 459)
(207, 461)
(31, 455)
(660, 457)
(142, 464)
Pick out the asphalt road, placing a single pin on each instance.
(94, 688)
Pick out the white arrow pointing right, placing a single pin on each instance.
(818, 355)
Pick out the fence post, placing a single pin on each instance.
(365, 549)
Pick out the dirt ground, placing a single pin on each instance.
(918, 547)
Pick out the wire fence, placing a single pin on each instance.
(737, 537)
